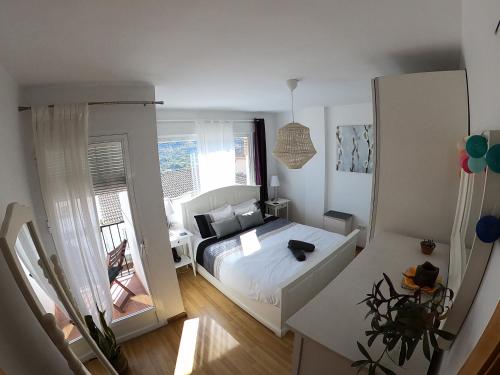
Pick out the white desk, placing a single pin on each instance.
(327, 328)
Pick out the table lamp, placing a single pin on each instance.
(275, 183)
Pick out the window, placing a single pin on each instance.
(179, 167)
(192, 163)
(242, 160)
(108, 179)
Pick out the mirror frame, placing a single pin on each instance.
(479, 254)
(16, 216)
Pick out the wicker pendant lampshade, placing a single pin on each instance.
(294, 146)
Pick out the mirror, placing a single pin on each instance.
(477, 197)
(464, 228)
(42, 283)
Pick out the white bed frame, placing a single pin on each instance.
(298, 291)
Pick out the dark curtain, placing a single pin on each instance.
(259, 143)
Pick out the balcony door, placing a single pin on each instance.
(134, 309)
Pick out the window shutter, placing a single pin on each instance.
(107, 167)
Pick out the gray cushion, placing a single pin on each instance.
(227, 226)
(251, 219)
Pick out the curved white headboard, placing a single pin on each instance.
(215, 198)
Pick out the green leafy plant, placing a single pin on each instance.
(403, 318)
(105, 339)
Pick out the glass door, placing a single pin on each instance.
(133, 304)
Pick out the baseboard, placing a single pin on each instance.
(182, 315)
(88, 355)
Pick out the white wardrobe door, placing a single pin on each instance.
(419, 120)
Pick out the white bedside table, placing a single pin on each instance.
(272, 207)
(182, 237)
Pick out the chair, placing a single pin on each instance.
(115, 266)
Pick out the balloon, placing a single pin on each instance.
(476, 165)
(493, 158)
(462, 155)
(476, 146)
(488, 229)
(464, 163)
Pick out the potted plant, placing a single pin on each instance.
(427, 246)
(404, 319)
(106, 341)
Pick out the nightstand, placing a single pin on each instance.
(273, 207)
(182, 237)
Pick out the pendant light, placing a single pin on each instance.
(294, 147)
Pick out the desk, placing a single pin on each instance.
(327, 328)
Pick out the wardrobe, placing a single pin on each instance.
(419, 118)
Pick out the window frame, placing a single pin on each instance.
(251, 156)
(123, 139)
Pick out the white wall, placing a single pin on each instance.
(481, 54)
(139, 124)
(318, 187)
(305, 187)
(165, 118)
(348, 192)
(21, 336)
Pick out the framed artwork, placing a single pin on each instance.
(355, 148)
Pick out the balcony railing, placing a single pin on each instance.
(112, 236)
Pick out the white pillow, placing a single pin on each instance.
(245, 207)
(221, 213)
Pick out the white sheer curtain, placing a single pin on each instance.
(216, 154)
(61, 141)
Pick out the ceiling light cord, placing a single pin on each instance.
(293, 115)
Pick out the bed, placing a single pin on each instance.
(257, 271)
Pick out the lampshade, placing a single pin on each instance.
(169, 208)
(275, 182)
(294, 146)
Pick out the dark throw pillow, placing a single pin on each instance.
(204, 225)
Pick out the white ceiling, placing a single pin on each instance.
(229, 54)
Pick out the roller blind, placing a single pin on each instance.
(107, 167)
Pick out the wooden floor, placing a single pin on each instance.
(217, 338)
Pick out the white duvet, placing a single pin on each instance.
(262, 267)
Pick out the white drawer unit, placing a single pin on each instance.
(337, 222)
(181, 238)
(274, 207)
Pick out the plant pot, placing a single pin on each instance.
(120, 363)
(427, 250)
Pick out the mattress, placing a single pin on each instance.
(257, 263)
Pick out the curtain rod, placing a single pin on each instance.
(204, 119)
(143, 102)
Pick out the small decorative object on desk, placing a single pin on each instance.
(424, 278)
(427, 246)
(404, 319)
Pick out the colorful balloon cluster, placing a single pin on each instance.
(475, 156)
